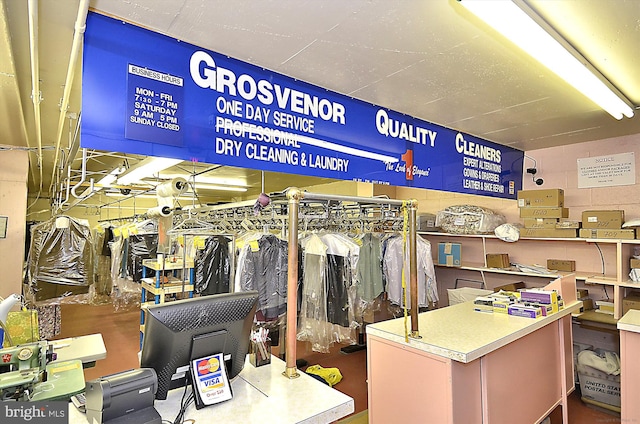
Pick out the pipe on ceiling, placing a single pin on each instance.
(35, 79)
(79, 28)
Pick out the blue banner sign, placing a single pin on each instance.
(149, 94)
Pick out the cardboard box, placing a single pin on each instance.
(605, 306)
(498, 260)
(426, 222)
(544, 212)
(483, 304)
(540, 222)
(520, 310)
(501, 306)
(582, 293)
(631, 301)
(568, 224)
(561, 264)
(587, 305)
(540, 296)
(553, 197)
(607, 233)
(549, 232)
(450, 254)
(510, 287)
(612, 219)
(546, 309)
(634, 263)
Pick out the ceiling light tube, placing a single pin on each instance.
(516, 21)
(110, 178)
(147, 168)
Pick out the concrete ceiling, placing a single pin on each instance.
(429, 59)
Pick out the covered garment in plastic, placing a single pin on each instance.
(60, 258)
(370, 277)
(313, 325)
(342, 263)
(140, 247)
(213, 266)
(392, 267)
(264, 269)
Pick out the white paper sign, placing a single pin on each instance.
(607, 171)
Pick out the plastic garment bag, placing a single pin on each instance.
(213, 267)
(60, 258)
(392, 266)
(313, 326)
(141, 246)
(264, 269)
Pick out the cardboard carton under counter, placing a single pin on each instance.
(544, 212)
(449, 254)
(611, 219)
(544, 197)
(608, 233)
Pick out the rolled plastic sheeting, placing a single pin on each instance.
(171, 188)
(159, 211)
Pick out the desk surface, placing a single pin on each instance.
(458, 332)
(630, 321)
(86, 348)
(262, 394)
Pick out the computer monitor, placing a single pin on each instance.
(179, 331)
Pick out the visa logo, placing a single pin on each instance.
(212, 382)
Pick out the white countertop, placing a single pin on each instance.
(261, 394)
(630, 321)
(462, 334)
(86, 348)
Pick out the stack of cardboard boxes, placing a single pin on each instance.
(605, 224)
(542, 211)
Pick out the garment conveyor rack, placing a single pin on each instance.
(294, 210)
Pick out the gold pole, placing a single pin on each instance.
(293, 195)
(413, 268)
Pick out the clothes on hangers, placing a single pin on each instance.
(342, 261)
(392, 267)
(312, 324)
(370, 277)
(213, 266)
(264, 269)
(60, 258)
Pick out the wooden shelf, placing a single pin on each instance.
(613, 254)
(593, 316)
(168, 288)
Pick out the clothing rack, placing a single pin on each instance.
(294, 209)
(130, 218)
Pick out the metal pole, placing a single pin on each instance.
(413, 268)
(291, 371)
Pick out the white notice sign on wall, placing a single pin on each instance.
(607, 171)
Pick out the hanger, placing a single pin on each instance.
(191, 225)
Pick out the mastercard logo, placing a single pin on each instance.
(207, 366)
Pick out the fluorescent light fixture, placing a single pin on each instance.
(110, 178)
(146, 168)
(143, 195)
(205, 179)
(205, 186)
(516, 21)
